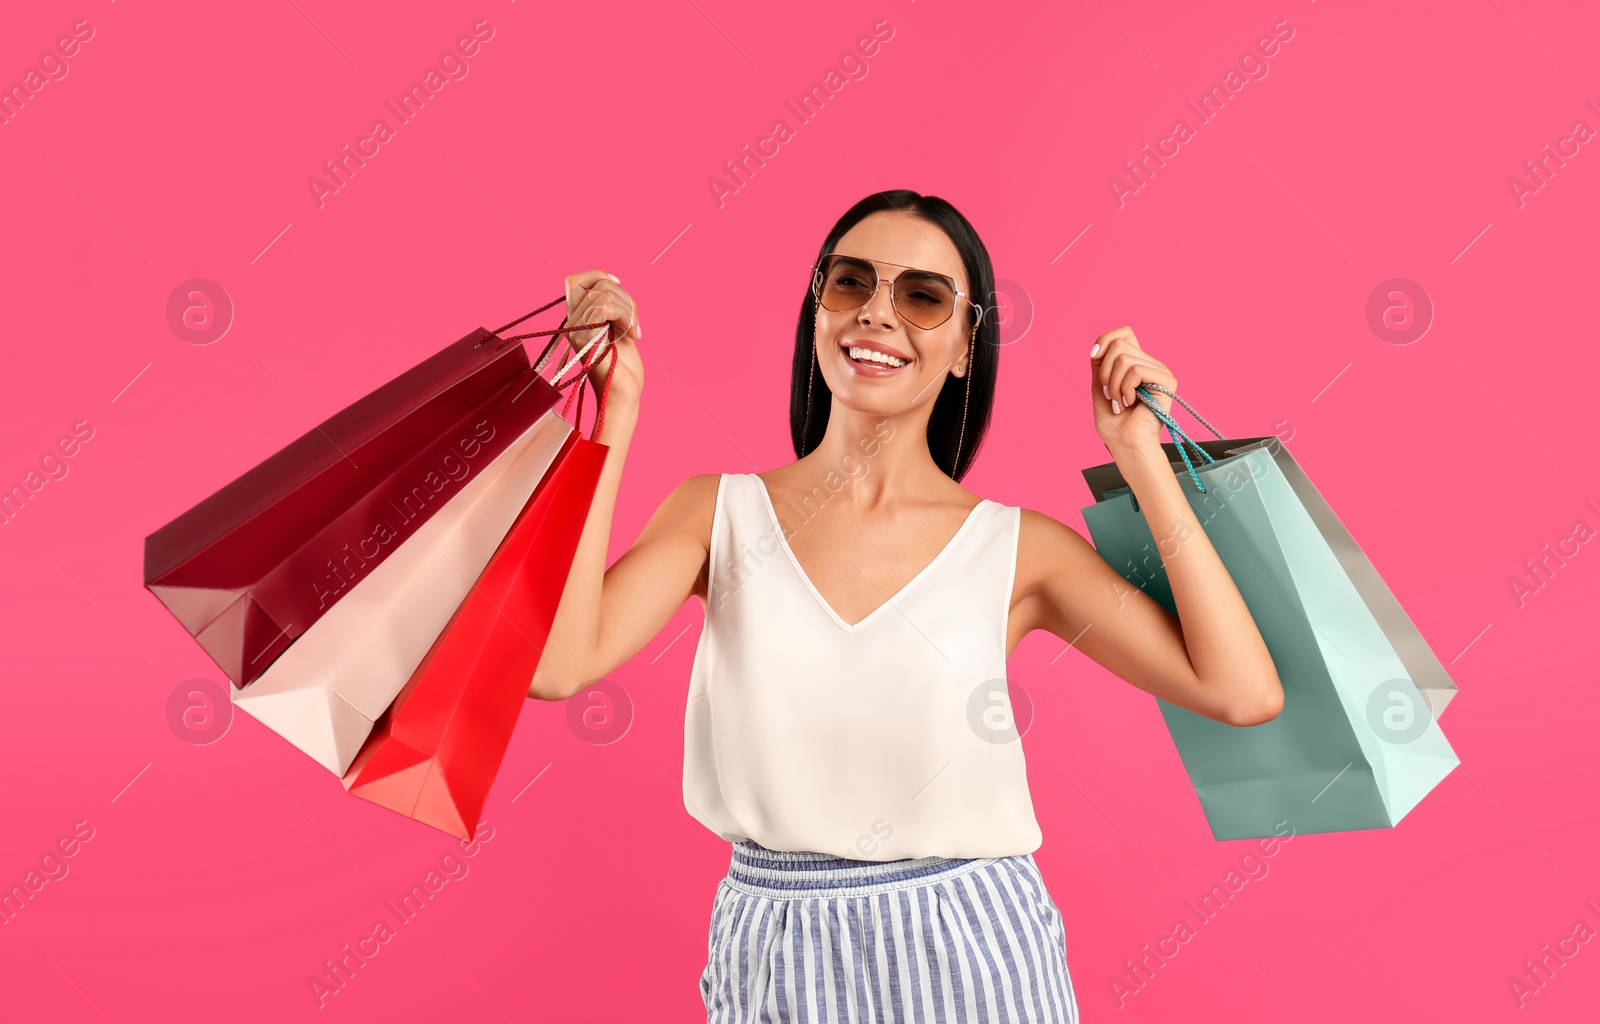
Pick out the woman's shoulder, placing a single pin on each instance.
(683, 521)
(699, 490)
(1043, 528)
(689, 507)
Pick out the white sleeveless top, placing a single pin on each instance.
(888, 738)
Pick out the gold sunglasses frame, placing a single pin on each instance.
(880, 280)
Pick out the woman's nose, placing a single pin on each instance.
(880, 306)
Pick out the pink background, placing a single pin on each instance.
(220, 876)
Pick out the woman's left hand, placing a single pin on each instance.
(1117, 365)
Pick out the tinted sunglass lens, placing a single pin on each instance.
(846, 283)
(925, 300)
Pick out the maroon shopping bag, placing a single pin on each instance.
(250, 568)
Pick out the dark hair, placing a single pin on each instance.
(944, 424)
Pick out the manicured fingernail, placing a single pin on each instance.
(615, 278)
(1094, 351)
(1107, 389)
(1114, 406)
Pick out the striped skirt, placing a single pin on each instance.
(815, 939)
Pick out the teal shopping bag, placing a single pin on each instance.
(1356, 745)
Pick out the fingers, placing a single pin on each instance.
(1153, 376)
(605, 301)
(581, 282)
(1103, 342)
(627, 320)
(597, 305)
(1118, 366)
(1103, 356)
(586, 289)
(620, 309)
(1128, 374)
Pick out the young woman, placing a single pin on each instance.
(848, 727)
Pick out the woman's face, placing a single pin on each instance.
(892, 242)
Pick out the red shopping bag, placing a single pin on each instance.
(435, 753)
(250, 568)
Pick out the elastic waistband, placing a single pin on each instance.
(791, 874)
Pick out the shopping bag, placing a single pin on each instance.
(325, 691)
(250, 568)
(434, 754)
(1356, 745)
(1422, 665)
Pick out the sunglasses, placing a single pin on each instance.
(920, 297)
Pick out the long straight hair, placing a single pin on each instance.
(944, 424)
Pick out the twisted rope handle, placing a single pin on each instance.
(1174, 396)
(1179, 438)
(583, 381)
(582, 377)
(549, 349)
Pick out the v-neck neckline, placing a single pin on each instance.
(805, 578)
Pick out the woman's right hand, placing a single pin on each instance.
(594, 296)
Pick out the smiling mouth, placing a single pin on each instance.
(872, 357)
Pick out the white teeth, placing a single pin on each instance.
(870, 355)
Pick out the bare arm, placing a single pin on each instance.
(606, 616)
(1228, 658)
(1213, 662)
(1210, 657)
